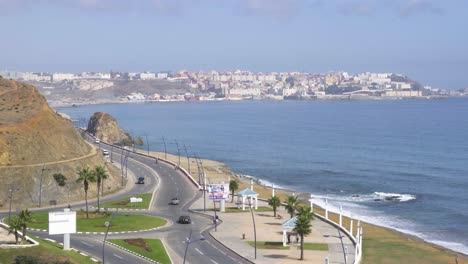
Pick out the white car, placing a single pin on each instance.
(97, 141)
(105, 152)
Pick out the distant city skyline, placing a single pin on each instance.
(426, 40)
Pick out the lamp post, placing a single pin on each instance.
(165, 149)
(147, 143)
(10, 196)
(40, 184)
(188, 242)
(178, 150)
(255, 230)
(108, 225)
(188, 158)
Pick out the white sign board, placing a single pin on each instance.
(136, 200)
(62, 223)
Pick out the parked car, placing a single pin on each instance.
(184, 219)
(97, 141)
(175, 201)
(141, 180)
(105, 152)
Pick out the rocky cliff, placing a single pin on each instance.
(35, 143)
(106, 128)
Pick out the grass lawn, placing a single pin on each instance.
(315, 246)
(47, 251)
(385, 246)
(151, 248)
(268, 245)
(125, 202)
(96, 223)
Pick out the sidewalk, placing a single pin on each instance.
(269, 229)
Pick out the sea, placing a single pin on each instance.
(401, 164)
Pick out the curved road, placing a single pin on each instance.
(166, 183)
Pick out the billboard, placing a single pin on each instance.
(218, 191)
(62, 223)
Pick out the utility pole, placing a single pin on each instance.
(178, 150)
(147, 143)
(40, 185)
(188, 158)
(165, 149)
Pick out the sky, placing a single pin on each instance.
(426, 40)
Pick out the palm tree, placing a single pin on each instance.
(291, 204)
(274, 202)
(233, 186)
(86, 176)
(24, 218)
(303, 226)
(100, 174)
(13, 226)
(306, 211)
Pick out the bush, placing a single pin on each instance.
(27, 260)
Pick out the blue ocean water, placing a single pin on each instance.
(356, 153)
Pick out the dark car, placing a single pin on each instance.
(141, 180)
(185, 219)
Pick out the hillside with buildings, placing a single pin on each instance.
(91, 88)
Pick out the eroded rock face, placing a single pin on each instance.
(106, 128)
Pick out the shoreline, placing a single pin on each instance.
(221, 171)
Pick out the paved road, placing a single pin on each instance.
(166, 182)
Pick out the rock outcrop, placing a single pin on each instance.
(104, 127)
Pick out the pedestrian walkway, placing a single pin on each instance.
(235, 225)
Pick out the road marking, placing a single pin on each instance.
(199, 251)
(214, 261)
(86, 244)
(118, 256)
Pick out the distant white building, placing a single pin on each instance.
(147, 76)
(136, 97)
(162, 75)
(60, 77)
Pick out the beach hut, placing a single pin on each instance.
(248, 194)
(288, 226)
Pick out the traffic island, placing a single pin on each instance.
(150, 249)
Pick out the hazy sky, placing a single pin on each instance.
(424, 39)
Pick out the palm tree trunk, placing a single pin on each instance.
(232, 196)
(102, 187)
(302, 246)
(86, 201)
(274, 211)
(16, 236)
(24, 233)
(98, 204)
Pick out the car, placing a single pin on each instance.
(97, 141)
(141, 180)
(105, 152)
(175, 201)
(184, 219)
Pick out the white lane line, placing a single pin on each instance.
(214, 261)
(118, 256)
(199, 251)
(88, 244)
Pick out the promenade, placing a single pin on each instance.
(235, 224)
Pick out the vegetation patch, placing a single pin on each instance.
(96, 222)
(150, 248)
(46, 252)
(268, 245)
(315, 246)
(125, 202)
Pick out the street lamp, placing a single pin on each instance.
(188, 158)
(165, 150)
(178, 150)
(147, 143)
(108, 225)
(255, 230)
(10, 196)
(187, 243)
(40, 184)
